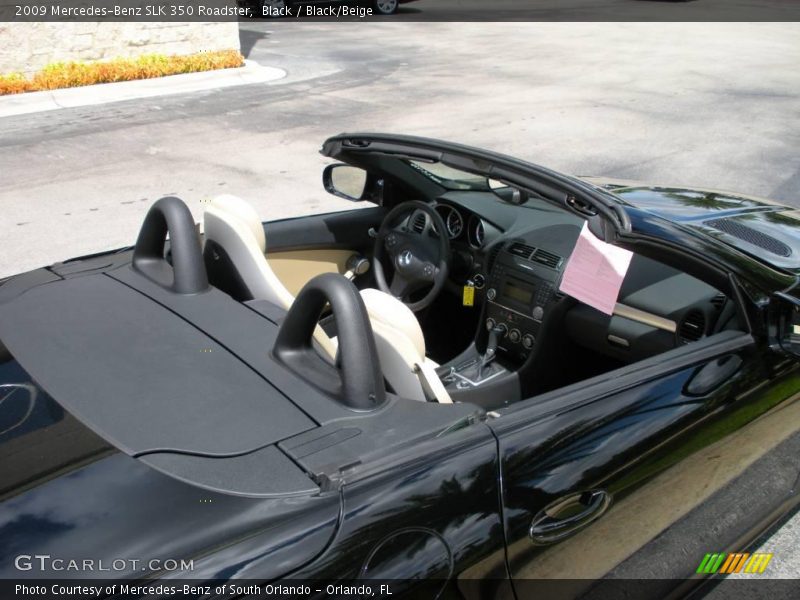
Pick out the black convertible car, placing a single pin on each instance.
(403, 392)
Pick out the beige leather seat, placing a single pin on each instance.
(401, 348)
(234, 225)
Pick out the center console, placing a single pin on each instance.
(520, 288)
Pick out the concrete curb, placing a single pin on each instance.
(31, 102)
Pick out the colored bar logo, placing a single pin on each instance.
(735, 562)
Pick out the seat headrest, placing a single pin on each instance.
(243, 212)
(391, 312)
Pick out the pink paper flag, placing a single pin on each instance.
(595, 271)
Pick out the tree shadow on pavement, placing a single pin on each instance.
(248, 39)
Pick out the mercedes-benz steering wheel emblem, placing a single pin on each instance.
(404, 258)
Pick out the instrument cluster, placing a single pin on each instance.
(474, 232)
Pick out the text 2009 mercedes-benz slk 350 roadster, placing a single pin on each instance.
(404, 391)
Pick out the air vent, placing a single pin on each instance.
(547, 258)
(692, 327)
(493, 256)
(751, 236)
(719, 301)
(418, 224)
(520, 249)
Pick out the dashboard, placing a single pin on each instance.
(515, 257)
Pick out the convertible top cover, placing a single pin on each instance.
(188, 383)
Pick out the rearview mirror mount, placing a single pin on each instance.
(507, 193)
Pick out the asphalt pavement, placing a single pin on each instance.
(712, 105)
(703, 104)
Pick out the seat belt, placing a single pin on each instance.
(432, 386)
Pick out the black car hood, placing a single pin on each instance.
(766, 230)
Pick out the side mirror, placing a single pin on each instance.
(787, 308)
(345, 181)
(506, 193)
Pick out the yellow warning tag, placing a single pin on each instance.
(469, 295)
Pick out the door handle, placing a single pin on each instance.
(547, 527)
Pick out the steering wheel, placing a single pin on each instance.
(418, 259)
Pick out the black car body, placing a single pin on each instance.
(152, 411)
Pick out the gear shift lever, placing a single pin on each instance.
(491, 348)
(470, 372)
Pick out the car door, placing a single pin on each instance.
(640, 472)
(301, 248)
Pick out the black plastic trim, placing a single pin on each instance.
(187, 275)
(360, 377)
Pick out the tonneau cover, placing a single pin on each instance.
(188, 383)
(141, 376)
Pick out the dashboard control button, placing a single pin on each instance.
(490, 323)
(479, 281)
(537, 313)
(503, 329)
(514, 335)
(491, 294)
(528, 341)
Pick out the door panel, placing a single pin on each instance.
(296, 267)
(659, 449)
(344, 230)
(299, 249)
